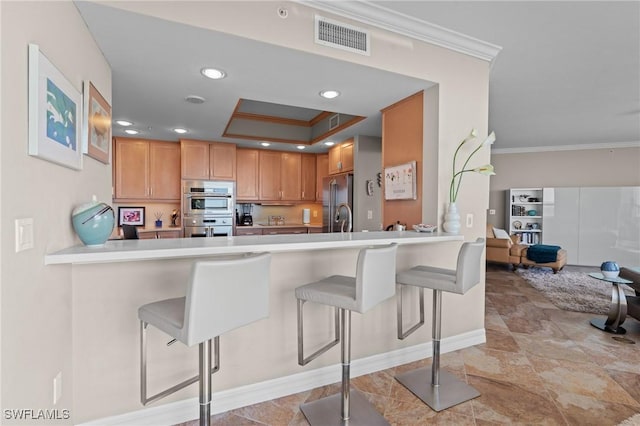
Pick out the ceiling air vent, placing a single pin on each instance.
(341, 36)
(334, 121)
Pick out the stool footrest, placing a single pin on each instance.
(301, 359)
(326, 411)
(403, 334)
(451, 391)
(144, 399)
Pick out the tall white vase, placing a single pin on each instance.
(452, 219)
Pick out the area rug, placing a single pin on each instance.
(572, 291)
(631, 421)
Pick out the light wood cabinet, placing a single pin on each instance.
(164, 171)
(146, 170)
(269, 175)
(247, 231)
(287, 230)
(279, 176)
(308, 177)
(222, 160)
(322, 170)
(341, 158)
(207, 160)
(247, 161)
(291, 168)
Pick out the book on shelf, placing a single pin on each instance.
(518, 211)
(529, 237)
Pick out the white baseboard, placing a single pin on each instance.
(186, 410)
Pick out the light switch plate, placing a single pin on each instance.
(24, 234)
(469, 220)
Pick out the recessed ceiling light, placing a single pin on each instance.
(329, 94)
(124, 123)
(131, 131)
(301, 147)
(329, 143)
(265, 143)
(213, 73)
(180, 130)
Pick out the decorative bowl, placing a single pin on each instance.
(532, 212)
(93, 222)
(610, 269)
(421, 227)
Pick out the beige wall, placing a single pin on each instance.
(589, 167)
(36, 300)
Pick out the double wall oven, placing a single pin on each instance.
(208, 208)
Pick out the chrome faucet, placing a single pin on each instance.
(349, 217)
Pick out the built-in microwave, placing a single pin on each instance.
(206, 198)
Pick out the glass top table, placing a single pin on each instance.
(618, 308)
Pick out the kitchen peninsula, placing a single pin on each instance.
(111, 282)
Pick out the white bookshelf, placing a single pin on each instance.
(524, 214)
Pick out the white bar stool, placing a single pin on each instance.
(223, 294)
(374, 282)
(445, 389)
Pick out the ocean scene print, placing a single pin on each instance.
(61, 116)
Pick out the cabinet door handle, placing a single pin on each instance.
(303, 194)
(151, 191)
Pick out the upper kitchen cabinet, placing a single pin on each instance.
(208, 160)
(146, 170)
(279, 175)
(308, 177)
(341, 157)
(322, 170)
(247, 161)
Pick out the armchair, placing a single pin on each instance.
(504, 250)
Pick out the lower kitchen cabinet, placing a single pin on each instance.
(289, 230)
(274, 230)
(247, 231)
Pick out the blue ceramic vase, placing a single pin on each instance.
(93, 222)
(609, 269)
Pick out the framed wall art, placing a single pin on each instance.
(400, 182)
(131, 216)
(96, 134)
(55, 111)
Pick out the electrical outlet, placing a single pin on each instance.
(369, 214)
(315, 213)
(469, 220)
(492, 211)
(57, 387)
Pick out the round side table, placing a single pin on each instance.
(617, 309)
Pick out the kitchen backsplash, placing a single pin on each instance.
(291, 214)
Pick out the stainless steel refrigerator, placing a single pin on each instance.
(337, 190)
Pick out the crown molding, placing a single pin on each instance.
(525, 150)
(390, 20)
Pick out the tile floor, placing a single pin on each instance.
(540, 366)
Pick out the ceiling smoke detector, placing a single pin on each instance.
(193, 99)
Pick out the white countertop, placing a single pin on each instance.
(174, 248)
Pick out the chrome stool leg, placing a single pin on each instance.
(204, 355)
(445, 390)
(345, 319)
(348, 407)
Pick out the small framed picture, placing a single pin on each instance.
(131, 216)
(96, 136)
